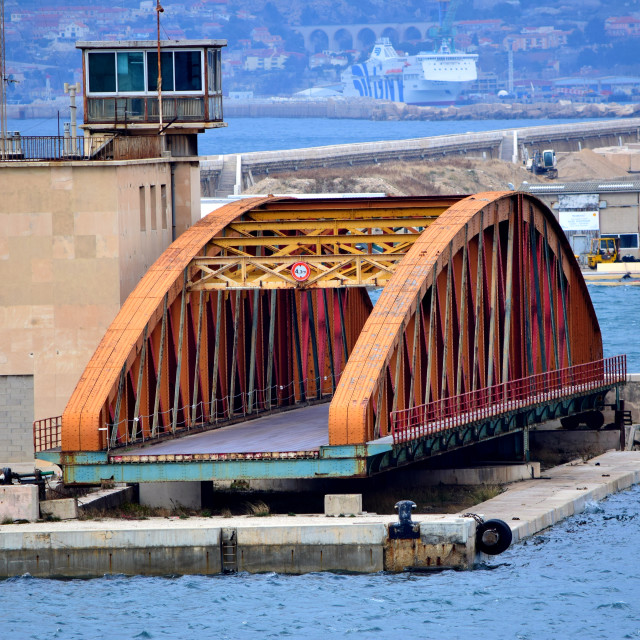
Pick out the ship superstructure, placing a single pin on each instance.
(422, 79)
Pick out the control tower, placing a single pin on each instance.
(122, 96)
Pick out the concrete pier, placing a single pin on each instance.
(533, 505)
(299, 544)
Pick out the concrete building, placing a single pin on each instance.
(593, 209)
(75, 238)
(82, 220)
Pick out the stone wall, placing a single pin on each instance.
(16, 418)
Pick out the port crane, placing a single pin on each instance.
(444, 34)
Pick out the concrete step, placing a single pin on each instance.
(227, 178)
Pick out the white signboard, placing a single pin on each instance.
(579, 220)
(579, 212)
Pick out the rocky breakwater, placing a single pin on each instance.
(370, 109)
(504, 111)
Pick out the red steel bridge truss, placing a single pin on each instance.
(483, 326)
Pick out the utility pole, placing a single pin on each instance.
(3, 85)
(159, 10)
(72, 90)
(510, 61)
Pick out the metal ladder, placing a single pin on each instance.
(229, 550)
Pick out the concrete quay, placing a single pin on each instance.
(300, 544)
(534, 505)
(283, 544)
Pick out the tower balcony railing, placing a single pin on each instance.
(145, 109)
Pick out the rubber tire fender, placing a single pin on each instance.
(503, 531)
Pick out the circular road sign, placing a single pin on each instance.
(301, 271)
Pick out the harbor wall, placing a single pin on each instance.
(371, 109)
(507, 144)
(300, 544)
(360, 545)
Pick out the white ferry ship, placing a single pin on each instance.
(424, 79)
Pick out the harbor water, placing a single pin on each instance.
(577, 580)
(618, 311)
(243, 135)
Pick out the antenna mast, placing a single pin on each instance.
(3, 84)
(159, 10)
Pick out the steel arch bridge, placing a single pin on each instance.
(483, 326)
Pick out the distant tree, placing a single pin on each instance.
(589, 57)
(271, 16)
(309, 16)
(624, 52)
(237, 29)
(594, 31)
(295, 65)
(576, 38)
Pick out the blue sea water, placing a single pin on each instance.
(578, 580)
(243, 135)
(618, 311)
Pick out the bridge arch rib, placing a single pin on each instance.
(489, 293)
(219, 330)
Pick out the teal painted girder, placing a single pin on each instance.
(343, 461)
(333, 462)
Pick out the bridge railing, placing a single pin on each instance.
(246, 405)
(447, 413)
(46, 433)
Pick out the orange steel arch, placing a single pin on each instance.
(180, 355)
(156, 370)
(85, 412)
(491, 292)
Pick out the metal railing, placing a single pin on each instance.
(143, 109)
(46, 434)
(243, 405)
(17, 148)
(489, 402)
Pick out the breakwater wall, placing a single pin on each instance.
(370, 109)
(507, 144)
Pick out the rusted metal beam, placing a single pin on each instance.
(506, 341)
(156, 400)
(176, 389)
(274, 272)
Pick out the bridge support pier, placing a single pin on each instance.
(171, 495)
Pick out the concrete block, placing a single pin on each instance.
(451, 530)
(106, 498)
(19, 502)
(65, 508)
(343, 504)
(171, 495)
(340, 533)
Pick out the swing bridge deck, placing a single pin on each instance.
(222, 365)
